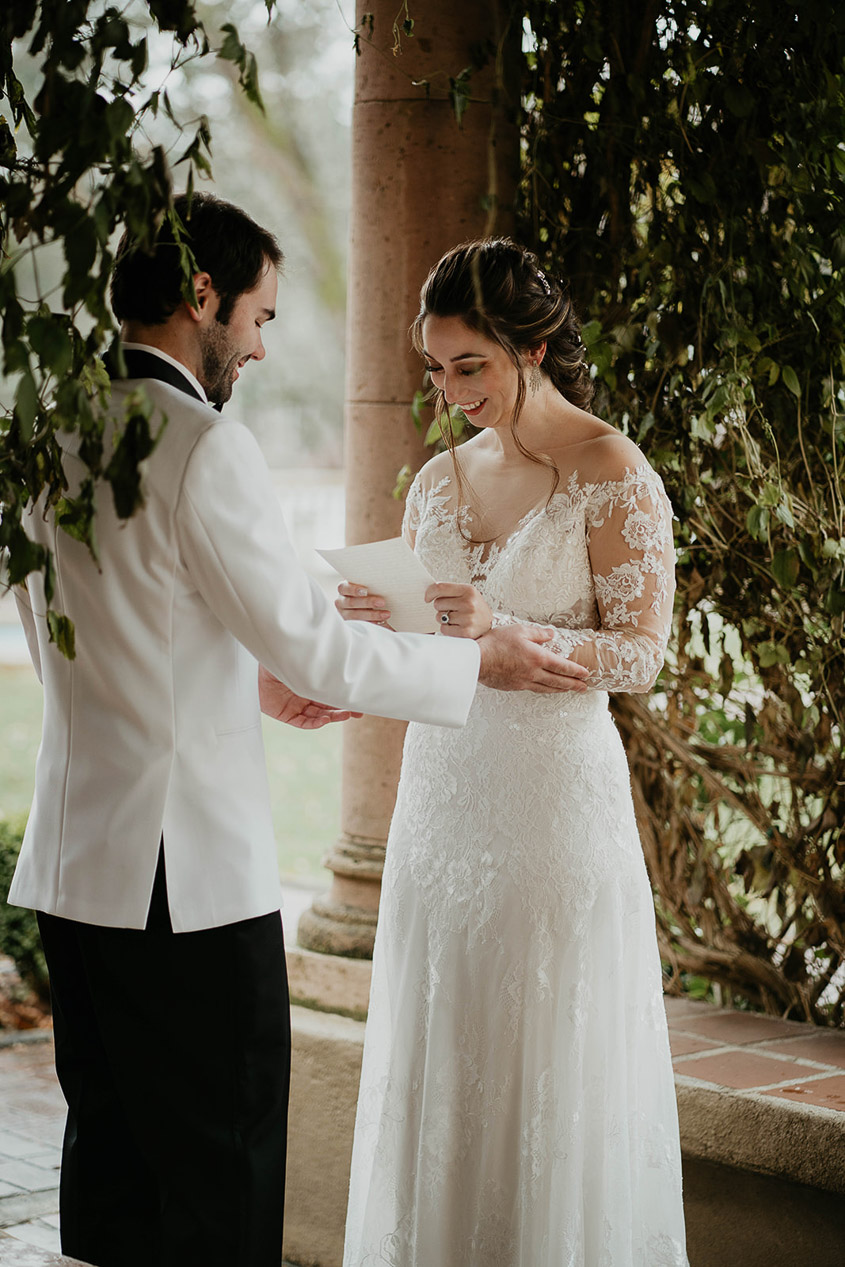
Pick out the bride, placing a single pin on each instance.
(517, 1105)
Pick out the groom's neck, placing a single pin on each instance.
(177, 338)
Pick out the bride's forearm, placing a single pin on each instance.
(617, 660)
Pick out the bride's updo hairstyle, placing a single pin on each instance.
(496, 287)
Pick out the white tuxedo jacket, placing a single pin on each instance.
(155, 726)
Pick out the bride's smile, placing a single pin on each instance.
(472, 407)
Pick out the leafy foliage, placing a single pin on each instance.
(19, 938)
(75, 167)
(684, 168)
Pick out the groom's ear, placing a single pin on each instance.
(206, 295)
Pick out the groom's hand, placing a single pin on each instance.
(279, 701)
(513, 658)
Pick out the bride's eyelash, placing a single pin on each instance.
(438, 369)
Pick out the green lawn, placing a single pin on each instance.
(304, 770)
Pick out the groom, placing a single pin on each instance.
(149, 852)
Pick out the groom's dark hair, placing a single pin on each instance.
(148, 283)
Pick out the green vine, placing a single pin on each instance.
(683, 168)
(76, 165)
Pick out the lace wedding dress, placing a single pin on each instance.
(517, 1106)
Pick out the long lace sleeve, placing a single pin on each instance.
(413, 511)
(629, 540)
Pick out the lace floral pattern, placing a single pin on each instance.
(608, 546)
(517, 1103)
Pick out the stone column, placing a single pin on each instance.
(420, 184)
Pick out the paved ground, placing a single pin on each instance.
(31, 1124)
(723, 1049)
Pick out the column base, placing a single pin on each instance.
(343, 922)
(337, 930)
(329, 983)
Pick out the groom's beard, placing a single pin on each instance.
(219, 363)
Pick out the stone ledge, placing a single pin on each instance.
(743, 1217)
(751, 1131)
(329, 983)
(326, 1069)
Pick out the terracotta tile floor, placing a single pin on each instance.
(747, 1052)
(736, 1050)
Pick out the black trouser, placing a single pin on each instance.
(173, 1053)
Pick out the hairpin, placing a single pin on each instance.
(541, 277)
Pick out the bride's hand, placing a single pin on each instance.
(357, 603)
(468, 614)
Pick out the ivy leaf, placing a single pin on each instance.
(459, 422)
(791, 380)
(771, 653)
(417, 406)
(784, 513)
(766, 366)
(757, 522)
(807, 557)
(50, 342)
(118, 118)
(138, 60)
(125, 471)
(459, 93)
(26, 405)
(403, 479)
(786, 566)
(590, 333)
(435, 433)
(175, 15)
(601, 355)
(76, 517)
(24, 556)
(8, 148)
(834, 600)
(62, 633)
(21, 109)
(80, 246)
(232, 50)
(645, 426)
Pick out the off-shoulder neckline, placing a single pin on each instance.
(479, 560)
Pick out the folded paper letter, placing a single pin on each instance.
(390, 568)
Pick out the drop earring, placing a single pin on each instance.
(535, 378)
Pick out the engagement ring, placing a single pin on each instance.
(444, 618)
